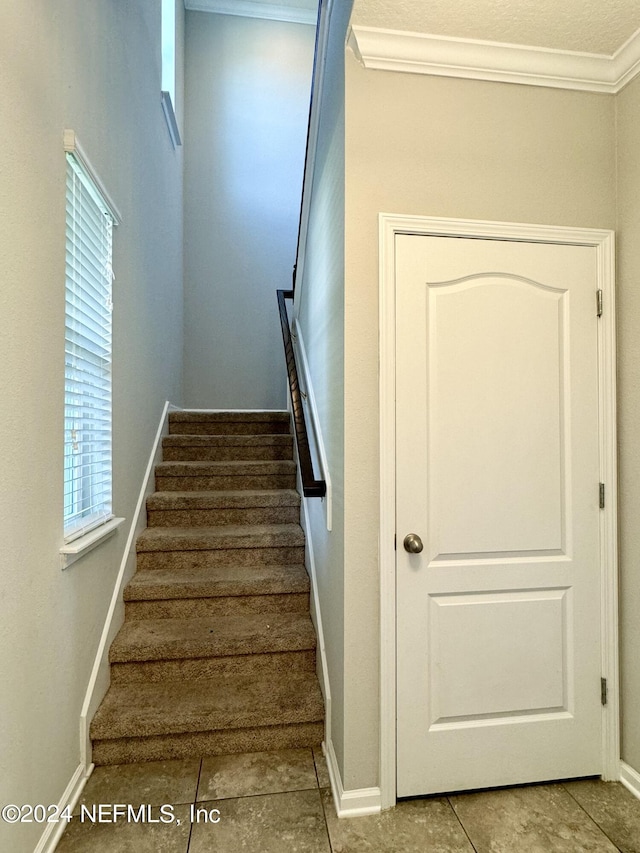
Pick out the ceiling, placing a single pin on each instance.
(590, 26)
(591, 45)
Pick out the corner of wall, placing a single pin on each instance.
(354, 803)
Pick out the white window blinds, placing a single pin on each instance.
(87, 409)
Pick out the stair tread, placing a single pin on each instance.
(224, 702)
(214, 581)
(223, 499)
(220, 536)
(195, 637)
(228, 417)
(199, 440)
(203, 468)
(229, 423)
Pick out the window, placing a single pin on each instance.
(169, 48)
(168, 84)
(87, 396)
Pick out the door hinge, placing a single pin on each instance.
(599, 302)
(601, 495)
(603, 691)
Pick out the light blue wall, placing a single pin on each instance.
(247, 101)
(93, 67)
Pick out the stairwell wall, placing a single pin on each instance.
(247, 103)
(95, 68)
(320, 311)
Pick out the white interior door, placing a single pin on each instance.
(498, 618)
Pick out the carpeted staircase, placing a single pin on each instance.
(217, 651)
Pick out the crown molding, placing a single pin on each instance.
(419, 53)
(626, 61)
(251, 9)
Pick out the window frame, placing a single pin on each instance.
(81, 537)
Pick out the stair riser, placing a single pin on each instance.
(195, 745)
(223, 483)
(240, 605)
(214, 517)
(201, 669)
(267, 453)
(223, 557)
(229, 428)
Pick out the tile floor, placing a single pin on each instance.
(279, 802)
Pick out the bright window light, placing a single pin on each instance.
(168, 86)
(169, 49)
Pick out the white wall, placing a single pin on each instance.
(453, 148)
(93, 67)
(247, 103)
(320, 307)
(628, 128)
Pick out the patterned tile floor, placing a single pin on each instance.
(279, 802)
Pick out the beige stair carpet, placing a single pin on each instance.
(217, 651)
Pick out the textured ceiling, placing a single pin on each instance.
(590, 26)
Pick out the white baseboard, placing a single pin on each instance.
(355, 803)
(53, 831)
(100, 675)
(630, 778)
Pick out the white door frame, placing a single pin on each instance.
(603, 242)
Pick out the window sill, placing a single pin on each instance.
(83, 544)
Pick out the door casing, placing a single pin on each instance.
(603, 241)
